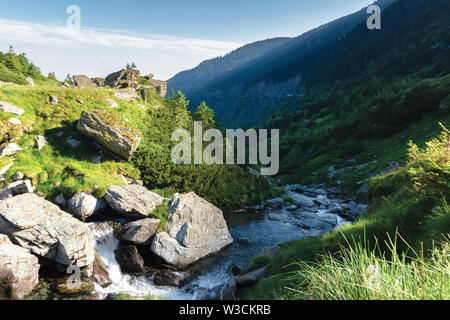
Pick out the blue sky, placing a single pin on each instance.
(162, 37)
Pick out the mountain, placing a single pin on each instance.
(246, 95)
(195, 79)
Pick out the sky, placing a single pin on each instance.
(162, 37)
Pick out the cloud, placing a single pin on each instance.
(61, 36)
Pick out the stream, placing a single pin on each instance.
(252, 232)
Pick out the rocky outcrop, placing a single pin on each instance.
(83, 206)
(138, 232)
(129, 259)
(127, 94)
(159, 86)
(110, 131)
(132, 201)
(100, 82)
(19, 270)
(8, 107)
(195, 229)
(83, 81)
(123, 79)
(42, 228)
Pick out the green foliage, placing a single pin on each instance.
(430, 168)
(361, 273)
(396, 208)
(228, 187)
(206, 116)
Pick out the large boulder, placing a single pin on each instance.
(19, 270)
(195, 229)
(83, 206)
(100, 272)
(123, 79)
(42, 228)
(138, 232)
(169, 278)
(132, 201)
(83, 81)
(8, 107)
(110, 131)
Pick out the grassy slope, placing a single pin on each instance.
(396, 208)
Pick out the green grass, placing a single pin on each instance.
(358, 272)
(397, 207)
(59, 167)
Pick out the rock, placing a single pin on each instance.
(40, 142)
(362, 195)
(250, 278)
(195, 229)
(83, 81)
(291, 208)
(331, 172)
(18, 176)
(329, 218)
(6, 168)
(299, 199)
(73, 142)
(9, 149)
(142, 107)
(20, 187)
(59, 134)
(132, 201)
(168, 278)
(138, 232)
(123, 79)
(80, 101)
(116, 136)
(85, 287)
(29, 81)
(323, 200)
(5, 193)
(244, 241)
(129, 259)
(83, 206)
(275, 203)
(14, 120)
(334, 191)
(274, 217)
(60, 200)
(127, 94)
(308, 221)
(112, 103)
(47, 231)
(9, 108)
(19, 270)
(96, 159)
(53, 100)
(100, 82)
(100, 272)
(159, 86)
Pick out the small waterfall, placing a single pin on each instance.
(106, 244)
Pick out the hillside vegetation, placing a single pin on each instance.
(62, 168)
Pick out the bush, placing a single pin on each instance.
(430, 168)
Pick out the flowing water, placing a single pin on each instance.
(251, 232)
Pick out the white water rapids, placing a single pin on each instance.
(258, 229)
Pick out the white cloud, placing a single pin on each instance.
(86, 43)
